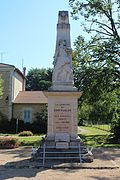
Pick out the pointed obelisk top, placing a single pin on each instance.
(63, 28)
(62, 78)
(63, 17)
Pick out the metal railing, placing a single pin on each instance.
(79, 152)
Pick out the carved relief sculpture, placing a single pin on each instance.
(62, 72)
(62, 64)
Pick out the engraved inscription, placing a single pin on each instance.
(62, 117)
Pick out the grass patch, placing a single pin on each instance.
(89, 130)
(104, 127)
(30, 141)
(92, 136)
(5, 134)
(26, 141)
(95, 137)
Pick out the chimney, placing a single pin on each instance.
(24, 81)
(24, 71)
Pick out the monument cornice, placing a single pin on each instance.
(63, 25)
(62, 93)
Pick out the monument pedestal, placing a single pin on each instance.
(62, 115)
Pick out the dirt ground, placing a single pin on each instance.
(16, 165)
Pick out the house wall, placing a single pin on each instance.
(13, 82)
(18, 84)
(5, 101)
(18, 110)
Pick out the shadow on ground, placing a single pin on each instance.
(9, 173)
(104, 178)
(23, 152)
(21, 166)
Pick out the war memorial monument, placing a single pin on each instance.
(62, 141)
(62, 96)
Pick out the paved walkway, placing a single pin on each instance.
(16, 165)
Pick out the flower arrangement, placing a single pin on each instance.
(9, 142)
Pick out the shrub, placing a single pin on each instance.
(40, 124)
(4, 123)
(26, 133)
(8, 142)
(115, 129)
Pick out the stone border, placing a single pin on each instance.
(63, 166)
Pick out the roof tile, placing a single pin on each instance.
(28, 97)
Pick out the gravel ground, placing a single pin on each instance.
(16, 165)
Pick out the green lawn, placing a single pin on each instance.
(95, 137)
(30, 140)
(27, 140)
(92, 136)
(104, 127)
(92, 130)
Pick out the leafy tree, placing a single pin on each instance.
(99, 84)
(39, 79)
(40, 124)
(101, 16)
(102, 21)
(97, 62)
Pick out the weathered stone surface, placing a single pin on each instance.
(62, 113)
(62, 145)
(62, 96)
(65, 137)
(62, 73)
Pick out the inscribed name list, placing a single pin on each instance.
(62, 117)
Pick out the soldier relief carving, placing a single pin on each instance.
(62, 72)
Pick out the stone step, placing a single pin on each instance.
(48, 152)
(65, 152)
(62, 151)
(61, 157)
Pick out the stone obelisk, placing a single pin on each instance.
(62, 74)
(62, 96)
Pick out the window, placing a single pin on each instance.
(27, 115)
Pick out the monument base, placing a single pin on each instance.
(62, 114)
(62, 145)
(52, 137)
(51, 152)
(63, 140)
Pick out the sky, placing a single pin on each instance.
(28, 31)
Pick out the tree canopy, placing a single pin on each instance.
(102, 22)
(101, 16)
(96, 60)
(38, 79)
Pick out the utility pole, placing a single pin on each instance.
(1, 56)
(22, 63)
